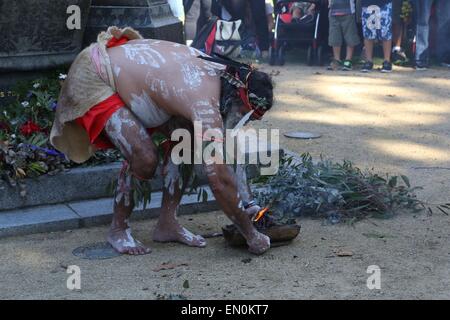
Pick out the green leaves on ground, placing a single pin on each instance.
(337, 191)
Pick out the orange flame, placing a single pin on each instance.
(260, 214)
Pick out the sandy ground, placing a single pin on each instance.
(396, 123)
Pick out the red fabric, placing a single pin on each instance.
(286, 17)
(94, 121)
(116, 42)
(209, 45)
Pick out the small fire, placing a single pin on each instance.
(260, 214)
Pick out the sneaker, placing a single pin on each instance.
(367, 67)
(347, 65)
(334, 65)
(420, 66)
(446, 64)
(387, 67)
(399, 57)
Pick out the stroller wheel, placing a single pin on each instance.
(280, 59)
(310, 56)
(272, 56)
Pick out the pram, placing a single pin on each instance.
(306, 29)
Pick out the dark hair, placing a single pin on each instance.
(261, 84)
(228, 95)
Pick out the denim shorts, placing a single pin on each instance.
(377, 22)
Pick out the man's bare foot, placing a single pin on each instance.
(176, 233)
(259, 243)
(124, 243)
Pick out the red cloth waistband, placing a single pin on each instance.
(94, 121)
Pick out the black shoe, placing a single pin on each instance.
(367, 67)
(420, 66)
(387, 67)
(399, 57)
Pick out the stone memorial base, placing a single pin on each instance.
(153, 19)
(36, 37)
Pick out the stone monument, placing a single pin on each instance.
(153, 18)
(35, 35)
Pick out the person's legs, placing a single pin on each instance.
(168, 228)
(335, 40)
(351, 37)
(236, 8)
(337, 53)
(443, 26)
(369, 44)
(131, 138)
(369, 26)
(205, 13)
(349, 54)
(368, 52)
(385, 35)
(397, 25)
(192, 16)
(387, 48)
(258, 9)
(423, 12)
(397, 35)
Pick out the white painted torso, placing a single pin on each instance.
(157, 79)
(147, 111)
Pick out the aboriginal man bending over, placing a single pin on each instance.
(157, 84)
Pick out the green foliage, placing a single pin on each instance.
(337, 191)
(25, 125)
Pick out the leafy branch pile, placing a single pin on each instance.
(336, 191)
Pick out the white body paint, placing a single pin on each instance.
(144, 54)
(147, 111)
(116, 123)
(129, 241)
(171, 178)
(241, 124)
(117, 71)
(158, 86)
(192, 75)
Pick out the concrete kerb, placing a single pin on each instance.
(91, 206)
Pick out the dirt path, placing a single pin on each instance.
(394, 123)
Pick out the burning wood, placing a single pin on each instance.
(265, 224)
(260, 214)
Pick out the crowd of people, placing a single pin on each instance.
(357, 24)
(384, 21)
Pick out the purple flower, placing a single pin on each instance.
(29, 94)
(54, 105)
(50, 152)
